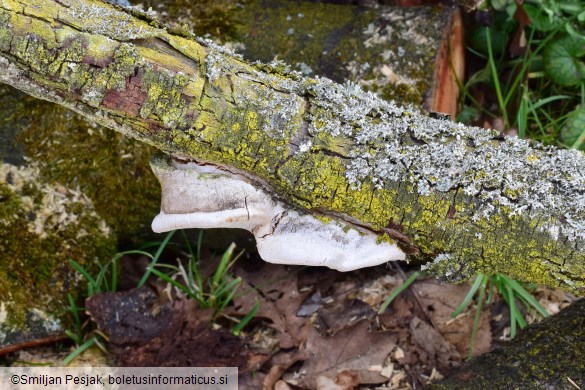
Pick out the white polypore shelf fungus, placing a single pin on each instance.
(206, 196)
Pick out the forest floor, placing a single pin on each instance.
(315, 327)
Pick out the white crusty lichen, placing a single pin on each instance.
(214, 65)
(448, 259)
(206, 196)
(504, 175)
(105, 19)
(279, 109)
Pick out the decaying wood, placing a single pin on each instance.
(468, 198)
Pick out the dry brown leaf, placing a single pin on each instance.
(441, 300)
(343, 313)
(345, 380)
(429, 339)
(354, 348)
(275, 288)
(311, 305)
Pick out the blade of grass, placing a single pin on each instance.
(114, 275)
(225, 287)
(541, 102)
(197, 261)
(230, 296)
(526, 296)
(172, 281)
(397, 291)
(169, 266)
(482, 288)
(223, 265)
(78, 351)
(72, 336)
(509, 298)
(91, 283)
(199, 244)
(74, 310)
(526, 63)
(244, 321)
(187, 243)
(515, 315)
(100, 345)
(187, 277)
(522, 117)
(155, 259)
(496, 80)
(491, 294)
(193, 275)
(467, 300)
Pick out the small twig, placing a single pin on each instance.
(33, 343)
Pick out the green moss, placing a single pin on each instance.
(348, 43)
(111, 169)
(42, 228)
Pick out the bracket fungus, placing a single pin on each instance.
(208, 196)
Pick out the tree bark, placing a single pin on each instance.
(469, 198)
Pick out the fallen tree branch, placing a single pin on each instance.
(469, 198)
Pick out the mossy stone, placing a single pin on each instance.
(43, 226)
(110, 168)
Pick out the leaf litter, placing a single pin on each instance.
(339, 342)
(315, 329)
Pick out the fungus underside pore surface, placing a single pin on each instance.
(474, 201)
